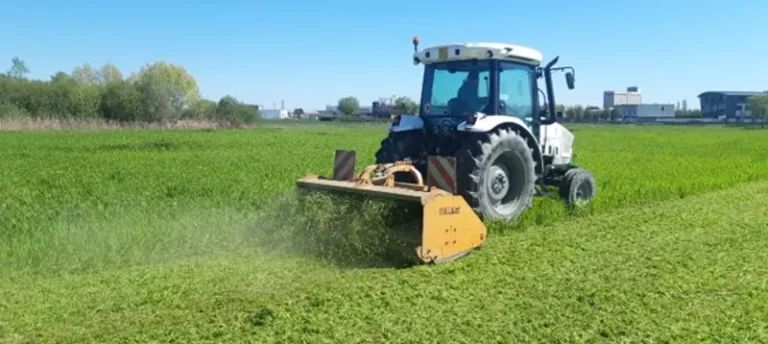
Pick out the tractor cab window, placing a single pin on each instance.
(516, 87)
(457, 88)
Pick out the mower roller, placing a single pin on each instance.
(449, 230)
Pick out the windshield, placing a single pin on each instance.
(516, 90)
(456, 88)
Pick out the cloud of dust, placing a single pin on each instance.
(344, 229)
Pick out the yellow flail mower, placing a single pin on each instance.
(450, 228)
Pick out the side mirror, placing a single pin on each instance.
(569, 79)
(543, 115)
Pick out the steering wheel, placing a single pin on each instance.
(502, 107)
(455, 105)
(503, 110)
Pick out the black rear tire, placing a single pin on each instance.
(497, 174)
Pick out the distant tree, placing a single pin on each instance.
(61, 77)
(349, 106)
(570, 114)
(232, 110)
(405, 106)
(109, 73)
(84, 101)
(121, 101)
(596, 114)
(85, 74)
(18, 69)
(758, 105)
(615, 114)
(580, 112)
(604, 115)
(167, 90)
(577, 113)
(201, 109)
(298, 112)
(382, 108)
(560, 111)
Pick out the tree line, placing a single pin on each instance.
(159, 92)
(350, 107)
(758, 105)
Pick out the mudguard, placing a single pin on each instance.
(485, 124)
(407, 123)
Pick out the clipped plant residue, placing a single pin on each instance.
(341, 228)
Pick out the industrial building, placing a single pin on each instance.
(630, 103)
(639, 111)
(630, 97)
(273, 114)
(725, 104)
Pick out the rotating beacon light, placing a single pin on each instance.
(415, 41)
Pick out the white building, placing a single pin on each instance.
(647, 110)
(273, 114)
(632, 96)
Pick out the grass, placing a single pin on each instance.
(24, 123)
(158, 236)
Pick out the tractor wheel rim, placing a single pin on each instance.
(503, 188)
(499, 182)
(583, 193)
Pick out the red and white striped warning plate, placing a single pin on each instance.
(441, 172)
(344, 165)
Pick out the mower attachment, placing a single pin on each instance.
(450, 228)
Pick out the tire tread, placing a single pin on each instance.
(472, 161)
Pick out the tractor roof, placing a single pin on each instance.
(482, 51)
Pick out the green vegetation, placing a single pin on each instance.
(758, 105)
(349, 106)
(188, 236)
(158, 92)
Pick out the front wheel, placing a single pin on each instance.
(578, 187)
(498, 175)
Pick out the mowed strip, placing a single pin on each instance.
(691, 270)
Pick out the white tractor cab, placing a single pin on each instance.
(480, 103)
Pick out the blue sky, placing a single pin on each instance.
(310, 53)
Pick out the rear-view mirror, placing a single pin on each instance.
(569, 80)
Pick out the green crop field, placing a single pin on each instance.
(156, 236)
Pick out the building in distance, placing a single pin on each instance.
(273, 114)
(646, 111)
(630, 97)
(725, 104)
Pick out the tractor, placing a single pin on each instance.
(487, 139)
(480, 103)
